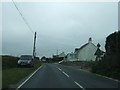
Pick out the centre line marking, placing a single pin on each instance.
(59, 69)
(65, 74)
(79, 85)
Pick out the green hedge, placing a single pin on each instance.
(108, 66)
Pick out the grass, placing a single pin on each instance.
(9, 62)
(0, 72)
(11, 74)
(0, 79)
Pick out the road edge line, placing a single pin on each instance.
(100, 75)
(107, 77)
(28, 78)
(79, 85)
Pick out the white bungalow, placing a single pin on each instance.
(86, 52)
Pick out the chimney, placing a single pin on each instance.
(90, 40)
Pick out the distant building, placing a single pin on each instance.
(84, 53)
(61, 55)
(70, 57)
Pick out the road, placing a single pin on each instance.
(60, 76)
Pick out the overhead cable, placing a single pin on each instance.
(23, 17)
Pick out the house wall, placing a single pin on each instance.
(71, 57)
(62, 54)
(87, 53)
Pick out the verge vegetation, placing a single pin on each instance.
(11, 74)
(110, 64)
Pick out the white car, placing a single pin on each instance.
(25, 60)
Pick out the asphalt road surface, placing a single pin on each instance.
(60, 76)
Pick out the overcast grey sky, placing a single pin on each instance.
(62, 26)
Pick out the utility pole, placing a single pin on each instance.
(57, 52)
(34, 47)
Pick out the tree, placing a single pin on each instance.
(43, 58)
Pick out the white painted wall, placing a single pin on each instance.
(87, 53)
(71, 57)
(62, 54)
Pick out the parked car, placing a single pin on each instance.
(25, 60)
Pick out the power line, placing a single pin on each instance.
(23, 17)
(34, 46)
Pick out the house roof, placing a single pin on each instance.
(83, 46)
(99, 52)
(62, 54)
(78, 49)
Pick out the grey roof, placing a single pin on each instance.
(78, 49)
(99, 52)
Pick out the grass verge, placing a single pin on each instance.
(11, 76)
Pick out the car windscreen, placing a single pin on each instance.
(26, 57)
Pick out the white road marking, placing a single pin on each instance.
(60, 69)
(60, 61)
(107, 77)
(100, 75)
(65, 74)
(79, 85)
(28, 78)
(69, 76)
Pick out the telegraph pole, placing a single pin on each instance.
(57, 52)
(34, 47)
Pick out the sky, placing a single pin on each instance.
(59, 25)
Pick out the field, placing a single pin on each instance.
(11, 74)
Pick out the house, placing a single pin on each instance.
(70, 57)
(61, 55)
(87, 51)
